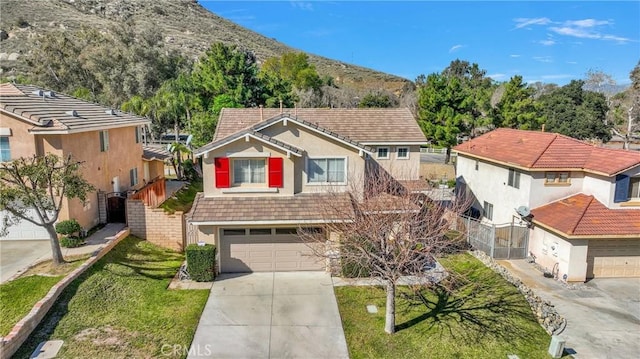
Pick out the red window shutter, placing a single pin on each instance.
(275, 172)
(222, 172)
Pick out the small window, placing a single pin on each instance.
(488, 210)
(233, 232)
(477, 164)
(286, 230)
(133, 175)
(514, 178)
(104, 141)
(259, 231)
(5, 150)
(248, 171)
(557, 177)
(634, 188)
(383, 152)
(138, 134)
(403, 152)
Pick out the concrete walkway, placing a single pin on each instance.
(18, 256)
(271, 315)
(603, 318)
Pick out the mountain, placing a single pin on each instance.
(186, 26)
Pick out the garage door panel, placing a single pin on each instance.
(613, 258)
(259, 253)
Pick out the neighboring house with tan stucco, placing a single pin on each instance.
(268, 171)
(584, 200)
(34, 121)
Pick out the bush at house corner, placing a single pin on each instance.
(68, 228)
(201, 262)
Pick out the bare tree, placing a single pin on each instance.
(33, 189)
(385, 231)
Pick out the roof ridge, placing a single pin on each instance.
(572, 231)
(555, 137)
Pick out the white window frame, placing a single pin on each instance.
(308, 181)
(513, 180)
(557, 175)
(398, 153)
(378, 153)
(634, 196)
(138, 134)
(8, 151)
(104, 140)
(133, 176)
(487, 210)
(250, 183)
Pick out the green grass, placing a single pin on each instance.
(19, 296)
(478, 315)
(183, 199)
(121, 307)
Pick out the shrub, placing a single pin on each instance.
(68, 227)
(201, 262)
(71, 242)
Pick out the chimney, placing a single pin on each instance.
(543, 127)
(261, 114)
(280, 106)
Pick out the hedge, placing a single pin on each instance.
(201, 262)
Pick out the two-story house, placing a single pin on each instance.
(268, 171)
(584, 200)
(34, 121)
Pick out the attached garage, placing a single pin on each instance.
(613, 258)
(24, 230)
(265, 250)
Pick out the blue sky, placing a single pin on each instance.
(551, 42)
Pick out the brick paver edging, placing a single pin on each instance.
(21, 331)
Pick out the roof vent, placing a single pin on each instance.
(73, 113)
(50, 94)
(38, 93)
(110, 111)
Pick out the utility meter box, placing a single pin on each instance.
(556, 348)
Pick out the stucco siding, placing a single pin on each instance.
(543, 193)
(567, 257)
(401, 168)
(21, 142)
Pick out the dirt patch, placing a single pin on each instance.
(105, 336)
(47, 268)
(437, 171)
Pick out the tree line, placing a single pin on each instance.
(134, 71)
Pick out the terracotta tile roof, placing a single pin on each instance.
(50, 111)
(415, 185)
(302, 207)
(215, 144)
(583, 215)
(543, 150)
(360, 125)
(153, 153)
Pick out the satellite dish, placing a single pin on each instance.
(189, 139)
(523, 211)
(169, 147)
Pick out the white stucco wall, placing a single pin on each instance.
(569, 255)
(543, 193)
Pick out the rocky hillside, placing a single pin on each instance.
(185, 25)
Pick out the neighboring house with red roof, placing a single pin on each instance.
(584, 199)
(34, 121)
(268, 172)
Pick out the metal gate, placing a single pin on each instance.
(502, 241)
(116, 207)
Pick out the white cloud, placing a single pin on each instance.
(455, 48)
(515, 55)
(497, 76)
(526, 22)
(586, 23)
(587, 29)
(572, 62)
(547, 42)
(544, 59)
(302, 5)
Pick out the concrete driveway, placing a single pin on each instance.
(271, 315)
(603, 318)
(17, 255)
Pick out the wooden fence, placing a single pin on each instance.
(153, 194)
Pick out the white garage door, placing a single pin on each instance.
(613, 258)
(23, 231)
(265, 250)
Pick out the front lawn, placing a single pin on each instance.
(480, 315)
(121, 307)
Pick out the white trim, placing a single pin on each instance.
(388, 156)
(198, 154)
(41, 130)
(5, 131)
(260, 128)
(393, 143)
(250, 190)
(248, 154)
(306, 170)
(268, 222)
(397, 152)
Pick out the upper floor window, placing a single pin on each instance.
(383, 152)
(403, 153)
(327, 170)
(477, 164)
(627, 188)
(248, 171)
(514, 178)
(138, 134)
(488, 210)
(5, 150)
(557, 178)
(133, 175)
(104, 141)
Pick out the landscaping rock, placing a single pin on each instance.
(552, 322)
